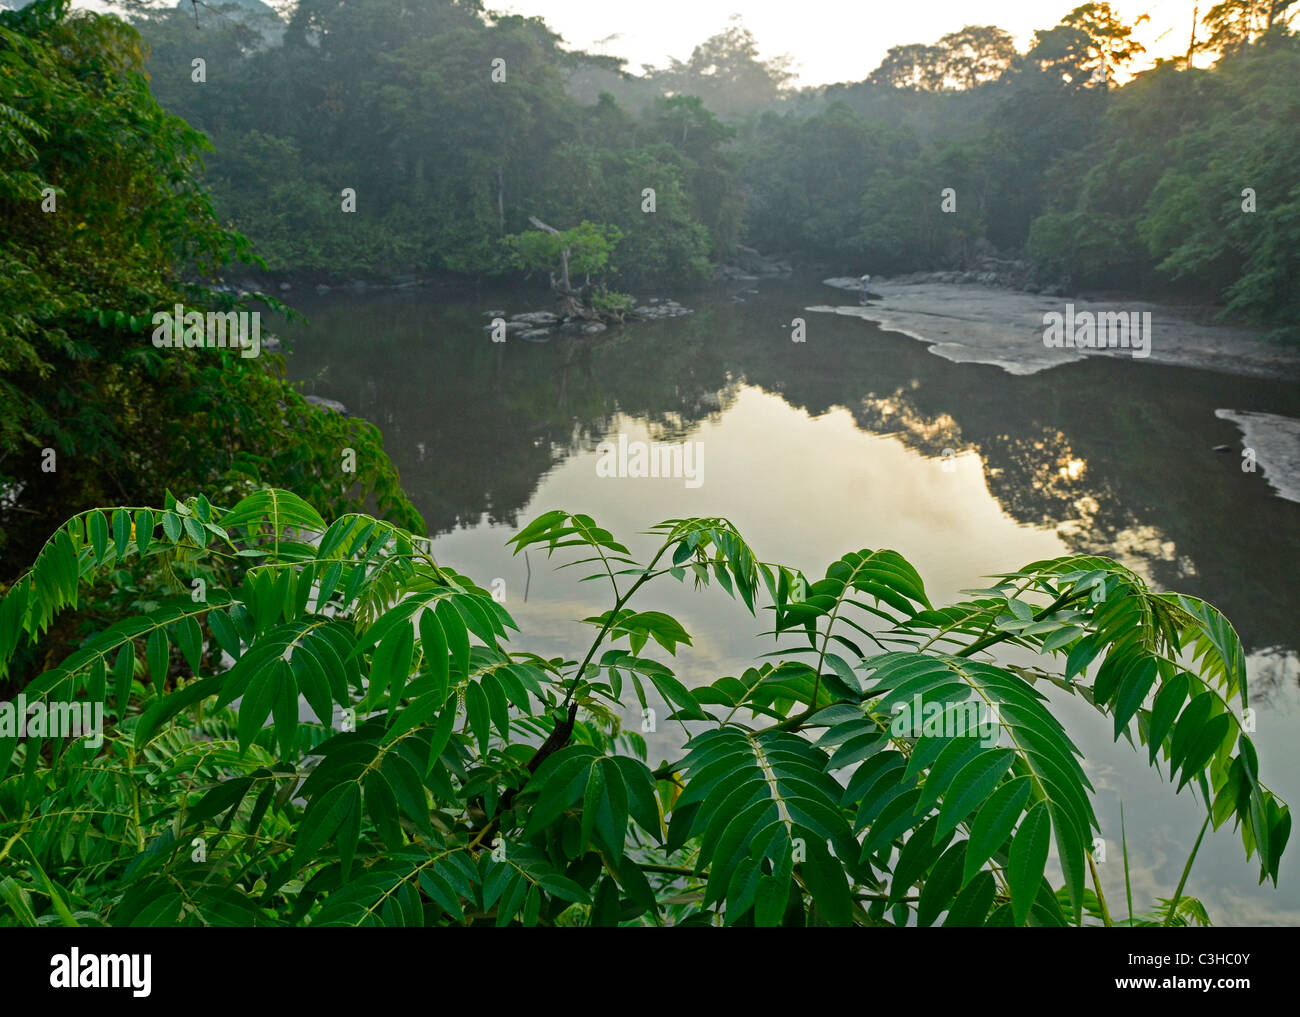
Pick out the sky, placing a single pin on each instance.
(830, 40)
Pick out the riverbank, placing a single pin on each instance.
(979, 324)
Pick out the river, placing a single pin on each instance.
(853, 438)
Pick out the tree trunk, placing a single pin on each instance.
(501, 200)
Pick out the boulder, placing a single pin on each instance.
(537, 318)
(333, 405)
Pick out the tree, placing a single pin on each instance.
(976, 55)
(1110, 41)
(104, 222)
(917, 67)
(584, 250)
(1235, 23)
(727, 73)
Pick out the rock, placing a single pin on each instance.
(594, 327)
(537, 318)
(657, 307)
(752, 262)
(333, 405)
(535, 335)
(284, 287)
(1222, 448)
(322, 288)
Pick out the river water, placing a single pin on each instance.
(854, 438)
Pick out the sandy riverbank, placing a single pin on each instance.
(985, 325)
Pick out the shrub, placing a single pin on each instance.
(844, 780)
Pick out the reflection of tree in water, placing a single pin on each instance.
(1274, 673)
(896, 414)
(1040, 479)
(1098, 451)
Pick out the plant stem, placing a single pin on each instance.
(1101, 897)
(1187, 871)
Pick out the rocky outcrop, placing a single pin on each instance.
(656, 308)
(537, 326)
(747, 265)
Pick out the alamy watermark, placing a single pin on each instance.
(972, 718)
(675, 459)
(60, 719)
(216, 330)
(1105, 330)
(75, 970)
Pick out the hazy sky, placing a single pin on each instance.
(830, 40)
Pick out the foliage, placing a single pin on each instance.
(102, 223)
(1177, 199)
(1037, 146)
(586, 249)
(481, 785)
(726, 73)
(447, 155)
(975, 55)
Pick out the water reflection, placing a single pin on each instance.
(1114, 457)
(837, 443)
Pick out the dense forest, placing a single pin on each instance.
(1048, 157)
(377, 141)
(313, 721)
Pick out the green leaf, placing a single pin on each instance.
(391, 665)
(971, 786)
(255, 707)
(143, 530)
(433, 644)
(98, 527)
(973, 903)
(1070, 852)
(994, 823)
(824, 877)
(323, 817)
(121, 532)
(457, 635)
(157, 656)
(1169, 700)
(123, 672)
(1028, 858)
(612, 810)
(591, 800)
(195, 531)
